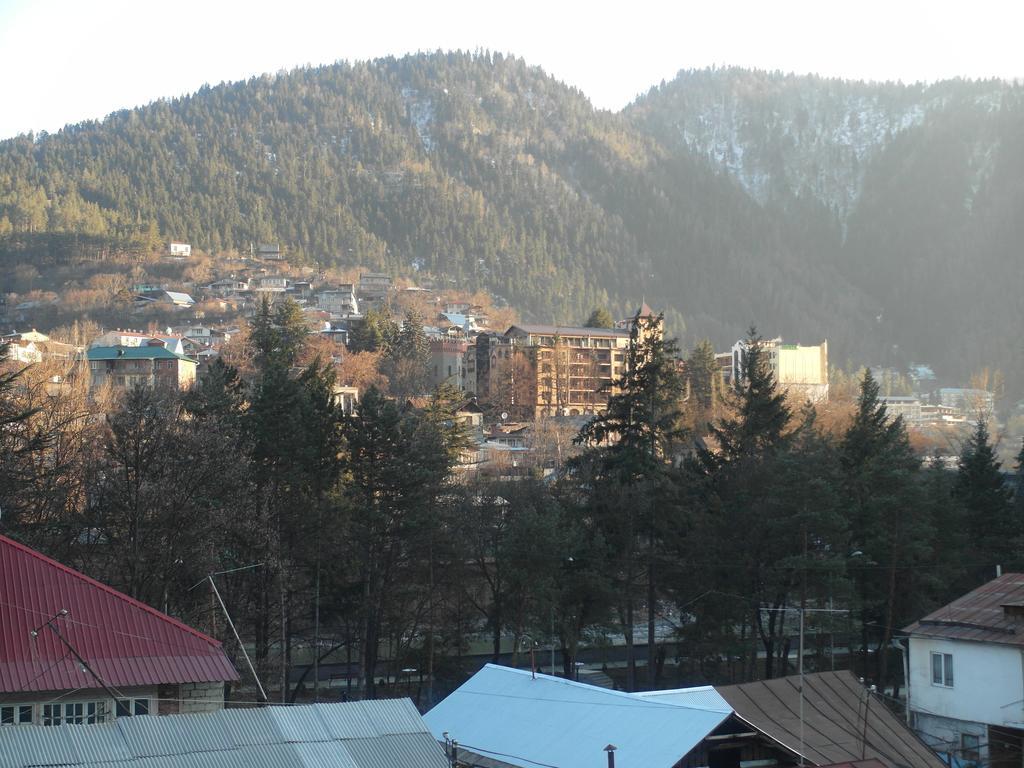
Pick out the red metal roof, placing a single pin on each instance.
(980, 615)
(126, 642)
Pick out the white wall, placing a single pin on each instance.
(988, 681)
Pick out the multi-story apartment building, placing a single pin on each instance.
(340, 301)
(150, 365)
(801, 371)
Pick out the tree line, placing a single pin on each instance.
(355, 539)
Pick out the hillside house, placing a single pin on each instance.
(125, 338)
(965, 687)
(135, 660)
(269, 252)
(168, 299)
(374, 286)
(150, 365)
(270, 284)
(340, 301)
(179, 249)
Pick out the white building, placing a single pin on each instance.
(965, 665)
(969, 401)
(907, 407)
(179, 249)
(801, 371)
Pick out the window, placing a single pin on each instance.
(75, 713)
(969, 747)
(15, 714)
(942, 669)
(129, 707)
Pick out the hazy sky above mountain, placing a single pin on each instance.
(68, 60)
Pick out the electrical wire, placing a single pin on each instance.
(504, 754)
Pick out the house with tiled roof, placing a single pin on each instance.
(965, 665)
(74, 651)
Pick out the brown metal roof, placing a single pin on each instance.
(979, 615)
(834, 720)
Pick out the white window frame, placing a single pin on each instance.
(945, 677)
(74, 713)
(17, 712)
(134, 705)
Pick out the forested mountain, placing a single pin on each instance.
(482, 170)
(926, 185)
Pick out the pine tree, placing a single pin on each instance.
(993, 527)
(761, 414)
(704, 375)
(888, 521)
(630, 448)
(600, 318)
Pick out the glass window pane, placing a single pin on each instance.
(124, 707)
(142, 706)
(6, 715)
(937, 669)
(948, 659)
(25, 712)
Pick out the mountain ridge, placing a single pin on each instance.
(473, 168)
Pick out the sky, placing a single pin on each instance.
(69, 60)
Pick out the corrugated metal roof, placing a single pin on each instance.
(530, 719)
(391, 716)
(134, 353)
(348, 721)
(99, 744)
(835, 728)
(178, 735)
(250, 727)
(127, 642)
(405, 750)
(979, 615)
(292, 737)
(299, 724)
(23, 746)
(704, 697)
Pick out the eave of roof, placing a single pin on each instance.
(568, 330)
(125, 641)
(135, 353)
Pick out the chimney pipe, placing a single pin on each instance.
(610, 749)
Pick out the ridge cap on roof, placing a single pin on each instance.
(6, 540)
(576, 684)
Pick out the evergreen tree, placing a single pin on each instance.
(761, 414)
(994, 530)
(630, 449)
(888, 521)
(600, 318)
(407, 362)
(704, 376)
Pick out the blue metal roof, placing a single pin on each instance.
(704, 696)
(522, 719)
